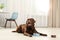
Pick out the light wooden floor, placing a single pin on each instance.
(6, 34)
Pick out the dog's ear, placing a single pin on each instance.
(27, 21)
(34, 21)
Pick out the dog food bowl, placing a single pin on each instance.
(53, 36)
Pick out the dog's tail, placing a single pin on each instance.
(13, 31)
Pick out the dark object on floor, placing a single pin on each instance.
(53, 36)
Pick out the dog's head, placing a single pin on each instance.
(30, 25)
(30, 22)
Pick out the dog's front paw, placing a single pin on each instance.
(43, 34)
(30, 35)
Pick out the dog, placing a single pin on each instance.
(28, 29)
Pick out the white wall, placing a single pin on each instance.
(25, 10)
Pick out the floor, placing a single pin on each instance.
(6, 34)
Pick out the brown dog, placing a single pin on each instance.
(28, 29)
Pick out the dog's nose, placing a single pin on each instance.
(28, 22)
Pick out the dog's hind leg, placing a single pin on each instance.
(19, 29)
(27, 34)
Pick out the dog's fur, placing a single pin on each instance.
(28, 29)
